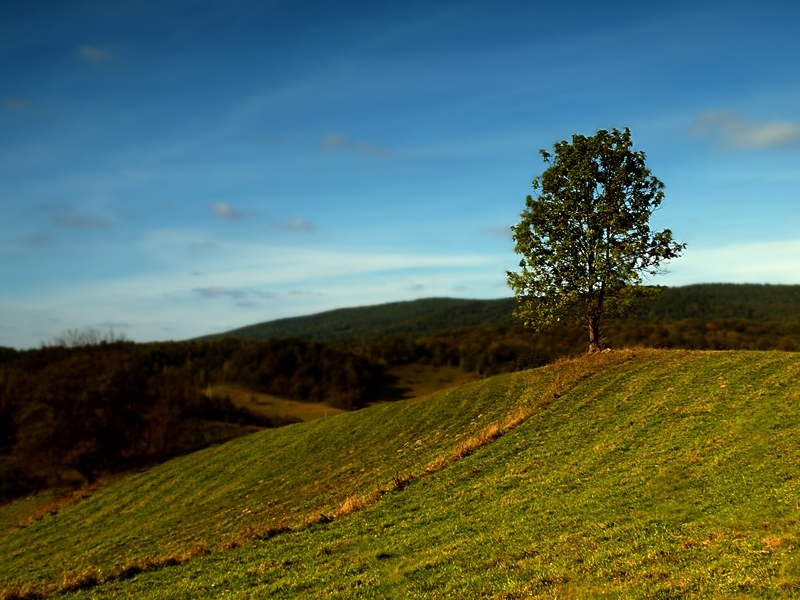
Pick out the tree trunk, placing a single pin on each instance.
(593, 324)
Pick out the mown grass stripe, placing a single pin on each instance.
(618, 486)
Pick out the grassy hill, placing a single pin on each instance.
(432, 315)
(636, 473)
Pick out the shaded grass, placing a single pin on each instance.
(274, 406)
(642, 474)
(416, 380)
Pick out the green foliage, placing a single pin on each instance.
(585, 238)
(711, 301)
(657, 474)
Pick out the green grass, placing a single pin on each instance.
(634, 474)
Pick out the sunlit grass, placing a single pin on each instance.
(634, 474)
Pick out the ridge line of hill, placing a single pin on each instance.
(425, 316)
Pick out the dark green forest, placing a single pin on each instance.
(432, 315)
(482, 336)
(75, 413)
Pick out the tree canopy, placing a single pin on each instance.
(585, 236)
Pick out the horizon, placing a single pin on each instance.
(172, 170)
(120, 336)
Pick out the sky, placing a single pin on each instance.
(170, 169)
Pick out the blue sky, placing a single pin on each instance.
(172, 169)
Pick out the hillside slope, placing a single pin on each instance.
(425, 316)
(640, 473)
(431, 315)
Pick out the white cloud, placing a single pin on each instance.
(731, 130)
(295, 225)
(225, 211)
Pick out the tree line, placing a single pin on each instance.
(501, 349)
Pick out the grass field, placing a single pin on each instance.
(660, 474)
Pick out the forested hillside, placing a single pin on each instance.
(417, 317)
(99, 408)
(432, 315)
(482, 336)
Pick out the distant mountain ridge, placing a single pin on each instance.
(757, 302)
(424, 316)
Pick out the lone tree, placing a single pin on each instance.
(585, 237)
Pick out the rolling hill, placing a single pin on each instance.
(636, 473)
(425, 316)
(710, 301)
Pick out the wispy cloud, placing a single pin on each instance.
(204, 245)
(96, 56)
(78, 222)
(295, 225)
(218, 292)
(335, 141)
(729, 129)
(236, 294)
(37, 240)
(280, 280)
(21, 106)
(760, 262)
(225, 211)
(248, 304)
